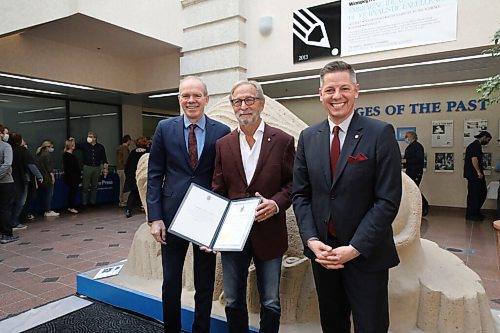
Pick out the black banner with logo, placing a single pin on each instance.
(316, 32)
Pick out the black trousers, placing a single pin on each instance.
(417, 178)
(351, 290)
(476, 195)
(6, 202)
(173, 254)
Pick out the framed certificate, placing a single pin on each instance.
(208, 219)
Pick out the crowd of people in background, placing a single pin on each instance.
(28, 177)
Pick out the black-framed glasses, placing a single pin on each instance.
(248, 101)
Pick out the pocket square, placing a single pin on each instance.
(358, 158)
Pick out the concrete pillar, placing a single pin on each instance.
(214, 43)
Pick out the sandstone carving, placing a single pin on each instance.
(430, 291)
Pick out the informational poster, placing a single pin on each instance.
(487, 163)
(379, 25)
(316, 32)
(472, 127)
(401, 132)
(442, 133)
(444, 162)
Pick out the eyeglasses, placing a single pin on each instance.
(248, 101)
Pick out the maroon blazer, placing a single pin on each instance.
(272, 179)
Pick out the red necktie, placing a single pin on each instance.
(193, 146)
(334, 157)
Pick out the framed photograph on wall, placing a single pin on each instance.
(401, 132)
(473, 127)
(442, 133)
(444, 162)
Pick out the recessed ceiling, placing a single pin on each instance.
(89, 33)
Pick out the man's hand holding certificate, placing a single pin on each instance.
(212, 221)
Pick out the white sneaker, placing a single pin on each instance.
(51, 213)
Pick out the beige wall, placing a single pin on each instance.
(267, 55)
(441, 189)
(37, 57)
(147, 17)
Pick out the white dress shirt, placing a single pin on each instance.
(250, 156)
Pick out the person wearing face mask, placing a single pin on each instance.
(413, 161)
(94, 163)
(473, 172)
(5, 134)
(6, 188)
(44, 162)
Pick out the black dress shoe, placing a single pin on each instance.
(128, 213)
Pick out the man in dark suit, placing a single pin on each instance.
(183, 152)
(255, 160)
(474, 173)
(346, 194)
(413, 161)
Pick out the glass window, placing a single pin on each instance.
(37, 119)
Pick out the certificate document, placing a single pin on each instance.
(208, 219)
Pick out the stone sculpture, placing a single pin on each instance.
(430, 291)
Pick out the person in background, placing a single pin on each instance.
(71, 174)
(5, 134)
(20, 175)
(257, 160)
(6, 190)
(35, 178)
(122, 154)
(413, 161)
(175, 162)
(473, 172)
(130, 170)
(44, 162)
(94, 163)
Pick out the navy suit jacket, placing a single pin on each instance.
(169, 169)
(363, 198)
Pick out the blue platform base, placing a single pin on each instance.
(138, 302)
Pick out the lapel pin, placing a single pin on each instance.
(268, 139)
(356, 136)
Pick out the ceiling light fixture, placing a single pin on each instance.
(31, 90)
(62, 84)
(164, 95)
(415, 86)
(367, 70)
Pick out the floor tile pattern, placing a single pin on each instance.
(42, 266)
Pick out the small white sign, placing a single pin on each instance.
(108, 271)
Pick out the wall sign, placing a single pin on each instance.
(316, 32)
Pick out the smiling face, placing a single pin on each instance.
(338, 95)
(193, 98)
(247, 115)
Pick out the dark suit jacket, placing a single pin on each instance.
(363, 198)
(169, 170)
(272, 179)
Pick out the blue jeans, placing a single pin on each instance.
(18, 205)
(235, 271)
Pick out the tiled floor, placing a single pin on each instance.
(42, 266)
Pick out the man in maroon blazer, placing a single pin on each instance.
(255, 160)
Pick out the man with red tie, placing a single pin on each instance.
(346, 194)
(183, 152)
